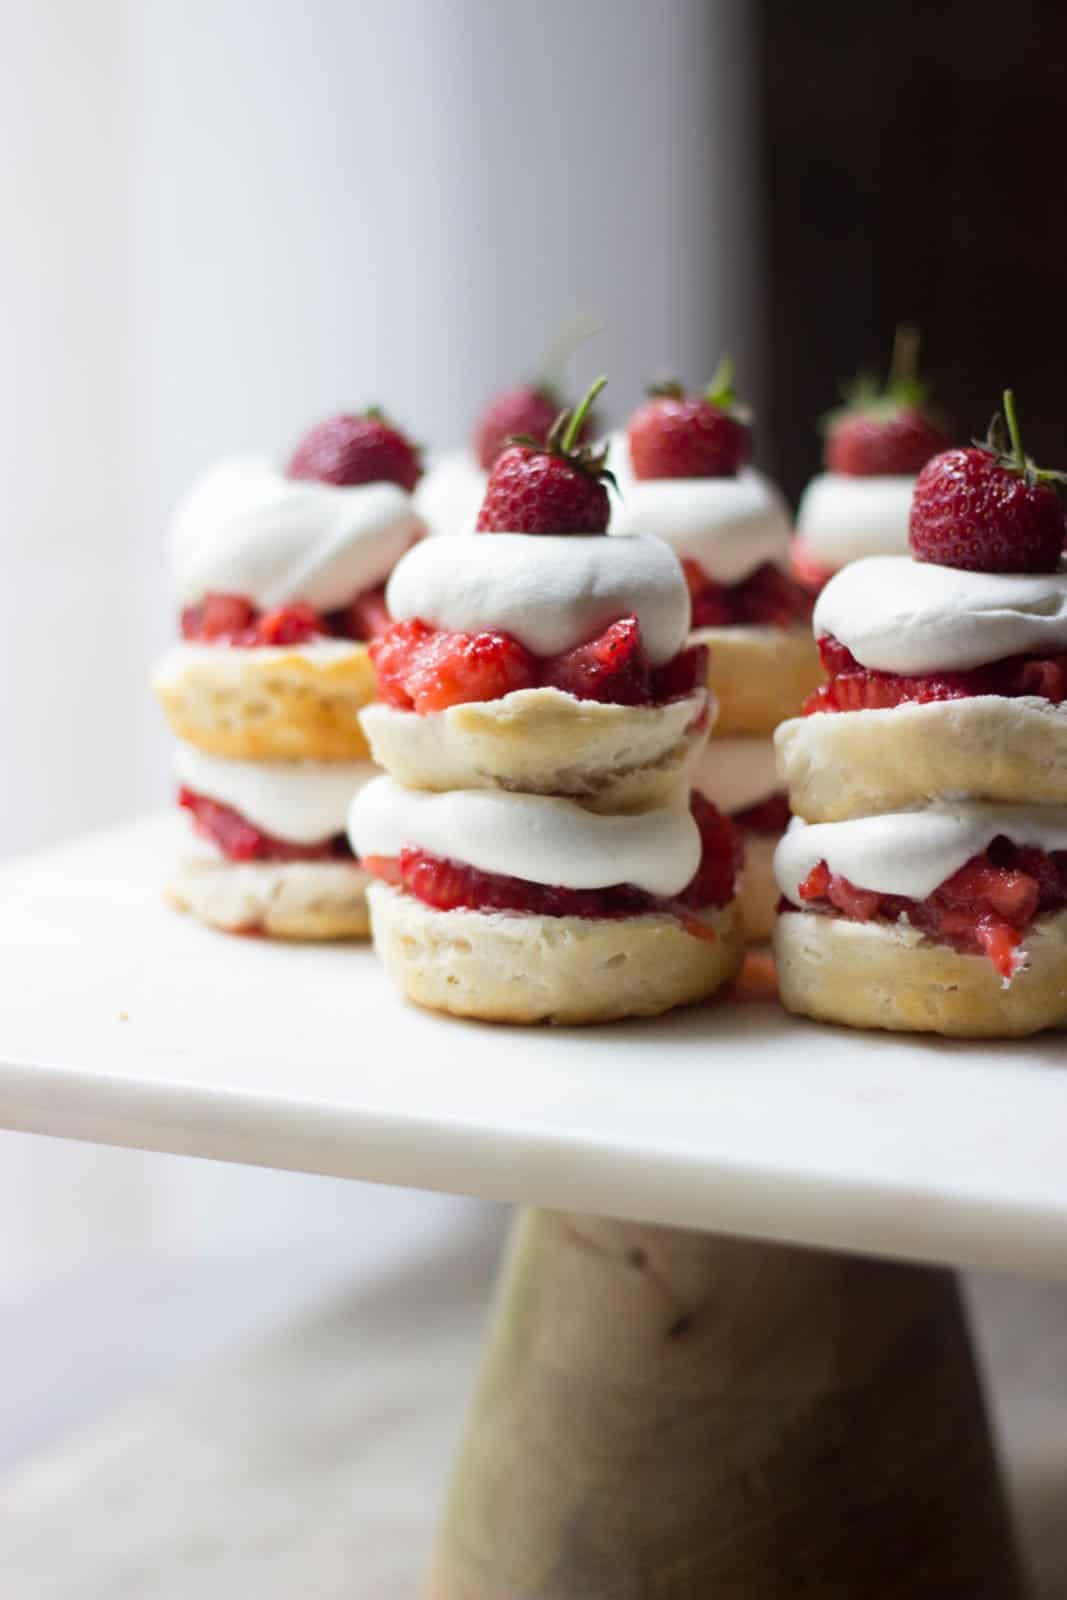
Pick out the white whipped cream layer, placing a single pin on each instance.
(905, 616)
(911, 852)
(549, 591)
(302, 802)
(843, 519)
(730, 525)
(450, 492)
(245, 528)
(737, 773)
(536, 837)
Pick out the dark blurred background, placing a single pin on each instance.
(913, 161)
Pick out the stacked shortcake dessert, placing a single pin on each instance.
(280, 576)
(537, 852)
(875, 445)
(686, 478)
(926, 873)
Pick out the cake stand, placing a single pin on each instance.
(728, 1355)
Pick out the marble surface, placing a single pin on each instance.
(124, 1023)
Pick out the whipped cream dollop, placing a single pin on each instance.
(843, 519)
(737, 773)
(911, 852)
(449, 495)
(536, 837)
(551, 592)
(730, 525)
(905, 616)
(245, 528)
(302, 802)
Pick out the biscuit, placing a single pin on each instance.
(840, 764)
(758, 893)
(271, 704)
(888, 975)
(759, 675)
(307, 900)
(542, 741)
(504, 967)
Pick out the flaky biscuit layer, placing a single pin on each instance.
(879, 975)
(304, 900)
(542, 741)
(760, 675)
(503, 967)
(840, 764)
(269, 704)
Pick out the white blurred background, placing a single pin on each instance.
(221, 220)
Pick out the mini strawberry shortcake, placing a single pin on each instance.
(281, 579)
(876, 444)
(930, 890)
(951, 919)
(948, 670)
(528, 908)
(692, 486)
(280, 576)
(270, 851)
(540, 656)
(450, 493)
(740, 777)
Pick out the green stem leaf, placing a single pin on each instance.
(579, 414)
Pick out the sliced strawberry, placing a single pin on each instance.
(681, 675)
(1013, 895)
(241, 840)
(767, 597)
(817, 883)
(859, 905)
(367, 616)
(612, 667)
(294, 624)
(722, 856)
(855, 688)
(422, 669)
(769, 816)
(1000, 942)
(217, 619)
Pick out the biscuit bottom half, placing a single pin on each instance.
(889, 975)
(509, 967)
(306, 900)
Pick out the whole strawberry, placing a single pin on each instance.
(529, 411)
(554, 487)
(679, 435)
(885, 432)
(987, 508)
(356, 448)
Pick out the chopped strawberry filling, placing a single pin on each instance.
(853, 687)
(231, 619)
(769, 816)
(425, 669)
(983, 909)
(767, 596)
(241, 840)
(450, 885)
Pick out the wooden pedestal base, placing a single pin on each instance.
(672, 1416)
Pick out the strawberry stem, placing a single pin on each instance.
(578, 415)
(1013, 430)
(904, 362)
(720, 390)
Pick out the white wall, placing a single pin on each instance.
(223, 218)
